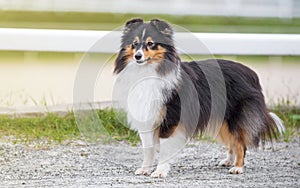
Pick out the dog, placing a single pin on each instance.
(169, 101)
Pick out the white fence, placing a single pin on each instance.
(109, 42)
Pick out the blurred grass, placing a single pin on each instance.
(54, 128)
(66, 57)
(110, 21)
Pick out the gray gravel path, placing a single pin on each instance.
(79, 165)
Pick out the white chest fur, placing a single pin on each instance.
(138, 90)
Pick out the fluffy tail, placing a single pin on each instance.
(278, 123)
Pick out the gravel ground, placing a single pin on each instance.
(79, 165)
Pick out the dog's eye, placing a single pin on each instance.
(135, 43)
(150, 44)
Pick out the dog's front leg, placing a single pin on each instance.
(149, 142)
(169, 148)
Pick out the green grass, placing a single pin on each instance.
(28, 129)
(110, 21)
(290, 115)
(54, 128)
(115, 124)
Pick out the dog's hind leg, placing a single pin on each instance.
(226, 138)
(240, 151)
(236, 149)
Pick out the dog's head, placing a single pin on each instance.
(145, 43)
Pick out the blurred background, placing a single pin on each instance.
(43, 78)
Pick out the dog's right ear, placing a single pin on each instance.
(132, 24)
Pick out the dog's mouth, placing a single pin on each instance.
(143, 61)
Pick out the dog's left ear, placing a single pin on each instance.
(162, 27)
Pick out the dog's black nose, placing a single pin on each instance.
(138, 56)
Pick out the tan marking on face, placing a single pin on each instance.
(154, 55)
(129, 52)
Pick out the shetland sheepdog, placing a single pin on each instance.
(169, 101)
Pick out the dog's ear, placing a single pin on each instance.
(162, 27)
(132, 24)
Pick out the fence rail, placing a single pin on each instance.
(109, 42)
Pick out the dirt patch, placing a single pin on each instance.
(77, 165)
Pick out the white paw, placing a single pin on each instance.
(161, 171)
(236, 170)
(225, 162)
(143, 171)
(159, 174)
